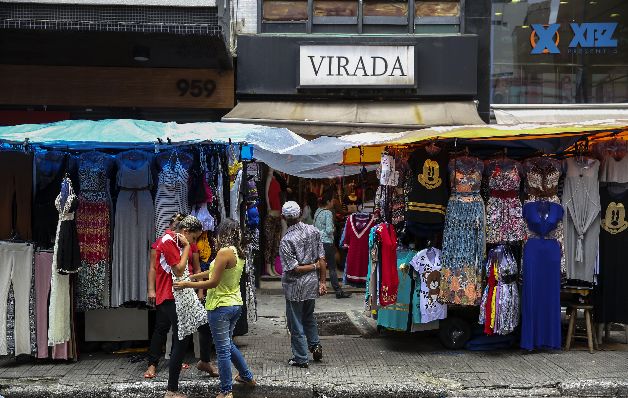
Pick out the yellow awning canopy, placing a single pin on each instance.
(371, 145)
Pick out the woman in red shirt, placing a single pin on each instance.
(173, 254)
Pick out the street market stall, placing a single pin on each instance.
(488, 223)
(81, 205)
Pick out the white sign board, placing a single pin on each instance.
(348, 65)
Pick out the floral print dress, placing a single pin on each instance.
(504, 215)
(464, 236)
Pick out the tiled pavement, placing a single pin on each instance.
(394, 365)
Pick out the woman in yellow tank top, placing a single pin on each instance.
(224, 303)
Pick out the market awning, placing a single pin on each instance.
(337, 118)
(367, 147)
(557, 113)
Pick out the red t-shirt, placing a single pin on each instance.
(168, 255)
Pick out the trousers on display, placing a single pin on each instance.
(16, 261)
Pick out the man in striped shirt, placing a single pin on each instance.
(303, 280)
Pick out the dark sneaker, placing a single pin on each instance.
(317, 352)
(293, 362)
(342, 294)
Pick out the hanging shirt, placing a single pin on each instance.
(428, 195)
(427, 264)
(356, 238)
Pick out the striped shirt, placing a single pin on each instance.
(301, 245)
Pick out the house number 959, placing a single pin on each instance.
(196, 88)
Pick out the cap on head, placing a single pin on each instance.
(291, 209)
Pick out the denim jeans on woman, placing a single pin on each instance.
(222, 321)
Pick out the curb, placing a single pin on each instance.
(46, 388)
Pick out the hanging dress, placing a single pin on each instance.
(356, 238)
(499, 311)
(581, 223)
(396, 316)
(540, 298)
(464, 235)
(133, 233)
(389, 280)
(93, 223)
(172, 193)
(504, 219)
(66, 255)
(428, 267)
(45, 216)
(541, 184)
(612, 294)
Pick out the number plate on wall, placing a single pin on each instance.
(119, 87)
(354, 66)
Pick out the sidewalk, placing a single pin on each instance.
(365, 365)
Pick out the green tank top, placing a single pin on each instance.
(227, 293)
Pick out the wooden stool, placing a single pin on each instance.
(571, 333)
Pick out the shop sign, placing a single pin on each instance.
(588, 38)
(354, 66)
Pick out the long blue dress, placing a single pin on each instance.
(540, 306)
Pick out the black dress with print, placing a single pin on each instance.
(612, 294)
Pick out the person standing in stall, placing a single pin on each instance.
(224, 303)
(173, 254)
(324, 222)
(302, 255)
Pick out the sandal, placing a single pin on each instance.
(208, 368)
(249, 383)
(173, 394)
(150, 375)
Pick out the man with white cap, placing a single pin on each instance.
(303, 280)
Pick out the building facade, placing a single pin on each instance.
(94, 59)
(314, 65)
(560, 54)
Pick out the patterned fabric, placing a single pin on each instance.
(427, 264)
(272, 233)
(190, 312)
(172, 194)
(251, 295)
(541, 183)
(65, 249)
(93, 223)
(11, 320)
(499, 311)
(324, 221)
(464, 235)
(301, 245)
(504, 219)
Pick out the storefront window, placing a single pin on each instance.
(366, 16)
(560, 63)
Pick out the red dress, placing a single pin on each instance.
(388, 253)
(357, 239)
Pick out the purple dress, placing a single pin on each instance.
(540, 303)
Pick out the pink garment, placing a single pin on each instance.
(357, 239)
(208, 191)
(43, 273)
